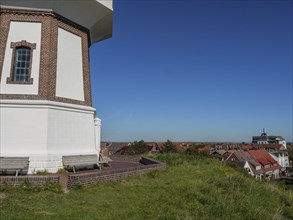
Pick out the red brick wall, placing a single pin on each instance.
(34, 180)
(48, 62)
(76, 180)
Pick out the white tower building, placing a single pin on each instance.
(45, 93)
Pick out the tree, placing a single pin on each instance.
(169, 147)
(192, 151)
(139, 147)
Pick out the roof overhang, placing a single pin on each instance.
(95, 15)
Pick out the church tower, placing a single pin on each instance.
(45, 91)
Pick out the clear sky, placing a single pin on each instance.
(195, 71)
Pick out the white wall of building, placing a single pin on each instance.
(45, 131)
(283, 142)
(30, 32)
(262, 142)
(282, 158)
(98, 133)
(71, 132)
(247, 167)
(69, 79)
(23, 130)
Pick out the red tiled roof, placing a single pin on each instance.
(246, 147)
(272, 168)
(262, 156)
(262, 146)
(205, 149)
(243, 156)
(257, 158)
(257, 152)
(275, 146)
(263, 160)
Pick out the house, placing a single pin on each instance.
(122, 147)
(282, 157)
(179, 147)
(153, 148)
(205, 149)
(269, 165)
(221, 154)
(265, 139)
(115, 147)
(258, 163)
(123, 150)
(246, 161)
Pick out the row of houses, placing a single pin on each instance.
(265, 158)
(263, 141)
(121, 148)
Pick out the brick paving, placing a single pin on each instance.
(123, 165)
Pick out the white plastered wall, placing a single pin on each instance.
(98, 133)
(23, 129)
(30, 32)
(283, 142)
(45, 131)
(71, 132)
(69, 79)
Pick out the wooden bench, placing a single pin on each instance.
(104, 160)
(15, 165)
(73, 162)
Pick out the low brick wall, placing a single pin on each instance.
(34, 180)
(82, 179)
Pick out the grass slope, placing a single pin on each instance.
(190, 188)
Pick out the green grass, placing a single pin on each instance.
(190, 188)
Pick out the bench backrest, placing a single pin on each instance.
(7, 163)
(80, 160)
(105, 159)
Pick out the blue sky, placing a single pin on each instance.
(195, 71)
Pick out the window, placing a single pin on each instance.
(21, 63)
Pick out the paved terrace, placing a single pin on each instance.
(120, 166)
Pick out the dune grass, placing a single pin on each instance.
(191, 187)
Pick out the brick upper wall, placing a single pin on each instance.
(48, 60)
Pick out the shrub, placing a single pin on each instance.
(169, 147)
(195, 151)
(43, 172)
(53, 187)
(139, 147)
(61, 170)
(192, 151)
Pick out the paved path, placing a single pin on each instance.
(123, 164)
(114, 165)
